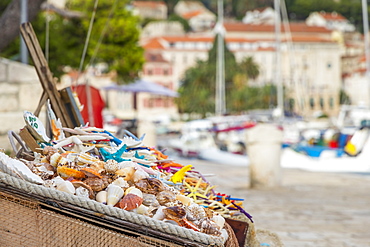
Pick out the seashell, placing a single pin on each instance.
(98, 166)
(224, 234)
(58, 160)
(135, 191)
(139, 174)
(195, 212)
(143, 210)
(159, 214)
(66, 172)
(78, 183)
(127, 173)
(86, 158)
(96, 184)
(115, 193)
(82, 192)
(150, 185)
(18, 169)
(165, 197)
(111, 166)
(102, 197)
(130, 202)
(66, 186)
(121, 183)
(174, 213)
(185, 200)
(48, 151)
(125, 163)
(209, 227)
(150, 200)
(90, 173)
(219, 220)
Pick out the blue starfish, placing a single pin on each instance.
(114, 156)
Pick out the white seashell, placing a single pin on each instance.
(66, 186)
(219, 220)
(102, 196)
(121, 183)
(18, 169)
(139, 174)
(135, 191)
(224, 234)
(124, 164)
(56, 160)
(142, 209)
(111, 166)
(115, 193)
(196, 211)
(185, 200)
(82, 192)
(159, 215)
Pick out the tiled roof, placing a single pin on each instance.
(332, 16)
(154, 57)
(191, 14)
(153, 44)
(294, 28)
(151, 4)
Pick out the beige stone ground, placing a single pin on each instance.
(308, 209)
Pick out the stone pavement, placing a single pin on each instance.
(308, 209)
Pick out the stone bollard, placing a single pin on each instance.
(147, 128)
(264, 151)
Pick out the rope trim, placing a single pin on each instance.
(110, 210)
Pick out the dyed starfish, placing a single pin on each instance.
(179, 176)
(194, 190)
(114, 156)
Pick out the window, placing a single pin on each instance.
(312, 103)
(322, 103)
(331, 102)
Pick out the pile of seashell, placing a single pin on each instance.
(124, 173)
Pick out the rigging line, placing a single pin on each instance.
(291, 57)
(103, 33)
(87, 40)
(47, 27)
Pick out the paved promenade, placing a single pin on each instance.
(308, 209)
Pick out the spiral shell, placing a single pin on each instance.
(126, 173)
(150, 185)
(165, 197)
(96, 184)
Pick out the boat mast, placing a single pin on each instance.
(220, 69)
(367, 50)
(278, 82)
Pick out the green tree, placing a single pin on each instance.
(119, 47)
(197, 92)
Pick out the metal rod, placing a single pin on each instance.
(24, 18)
(220, 73)
(278, 81)
(367, 50)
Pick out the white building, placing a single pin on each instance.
(199, 17)
(150, 9)
(265, 15)
(310, 64)
(332, 21)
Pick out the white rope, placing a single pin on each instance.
(87, 39)
(110, 210)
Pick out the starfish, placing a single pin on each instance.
(114, 156)
(194, 190)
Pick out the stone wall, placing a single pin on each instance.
(20, 90)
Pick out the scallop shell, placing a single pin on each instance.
(115, 193)
(66, 172)
(86, 158)
(135, 191)
(102, 197)
(18, 169)
(111, 166)
(66, 186)
(127, 173)
(130, 202)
